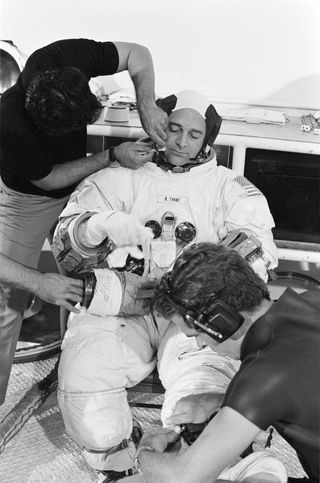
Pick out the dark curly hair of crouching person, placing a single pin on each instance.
(204, 271)
(60, 101)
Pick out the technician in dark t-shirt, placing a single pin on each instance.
(278, 381)
(43, 120)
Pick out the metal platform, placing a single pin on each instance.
(36, 449)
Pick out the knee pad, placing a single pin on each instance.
(97, 421)
(118, 459)
(92, 356)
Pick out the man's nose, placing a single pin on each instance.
(182, 140)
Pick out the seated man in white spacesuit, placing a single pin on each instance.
(181, 197)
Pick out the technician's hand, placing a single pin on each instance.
(154, 467)
(59, 290)
(137, 294)
(196, 408)
(134, 155)
(159, 439)
(154, 121)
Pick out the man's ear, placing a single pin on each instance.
(185, 327)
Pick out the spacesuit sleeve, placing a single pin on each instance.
(247, 209)
(99, 194)
(120, 293)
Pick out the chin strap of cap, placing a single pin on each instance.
(160, 159)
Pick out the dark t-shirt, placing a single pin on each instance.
(278, 382)
(26, 153)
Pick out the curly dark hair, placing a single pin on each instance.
(60, 101)
(207, 270)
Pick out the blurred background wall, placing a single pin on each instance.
(248, 51)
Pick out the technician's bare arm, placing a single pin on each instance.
(51, 287)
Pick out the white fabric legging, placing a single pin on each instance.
(101, 356)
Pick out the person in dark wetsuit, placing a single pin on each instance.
(278, 381)
(280, 356)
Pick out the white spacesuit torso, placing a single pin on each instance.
(213, 199)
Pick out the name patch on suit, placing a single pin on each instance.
(182, 200)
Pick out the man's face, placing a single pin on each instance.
(186, 132)
(202, 338)
(230, 347)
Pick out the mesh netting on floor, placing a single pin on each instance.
(42, 452)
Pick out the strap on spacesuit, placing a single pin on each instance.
(70, 259)
(160, 159)
(248, 246)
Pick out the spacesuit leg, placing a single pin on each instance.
(184, 369)
(101, 356)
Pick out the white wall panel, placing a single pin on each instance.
(249, 51)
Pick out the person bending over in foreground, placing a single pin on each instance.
(212, 294)
(43, 139)
(182, 196)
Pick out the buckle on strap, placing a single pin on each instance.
(246, 245)
(72, 261)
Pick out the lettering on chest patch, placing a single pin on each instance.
(182, 200)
